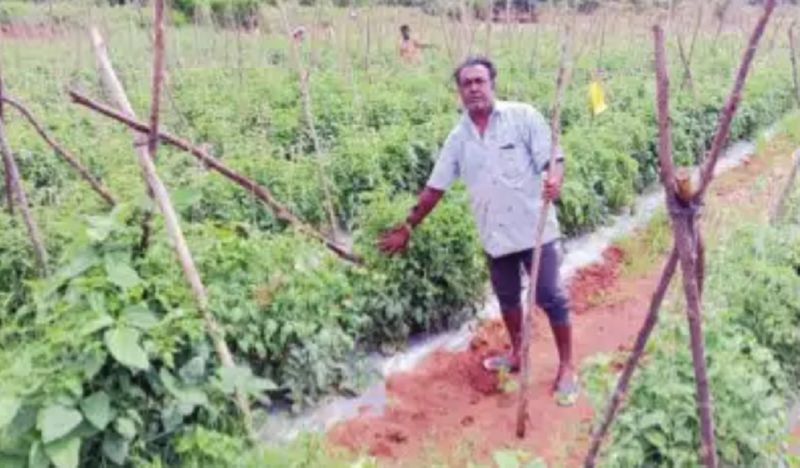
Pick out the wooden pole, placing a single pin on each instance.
(533, 274)
(18, 193)
(633, 360)
(793, 58)
(684, 226)
(96, 185)
(260, 192)
(9, 185)
(162, 200)
(671, 184)
(305, 91)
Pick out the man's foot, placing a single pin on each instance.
(566, 386)
(508, 362)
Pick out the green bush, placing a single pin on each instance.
(750, 323)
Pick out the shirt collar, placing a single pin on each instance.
(498, 109)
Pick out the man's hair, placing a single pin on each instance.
(471, 62)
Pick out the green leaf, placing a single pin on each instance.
(191, 395)
(242, 378)
(123, 343)
(80, 263)
(8, 409)
(23, 422)
(506, 459)
(193, 371)
(100, 227)
(125, 427)
(139, 316)
(115, 448)
(11, 460)
(96, 324)
(93, 362)
(37, 458)
(657, 438)
(97, 409)
(185, 197)
(56, 421)
(122, 275)
(64, 453)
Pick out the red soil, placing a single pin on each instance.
(449, 401)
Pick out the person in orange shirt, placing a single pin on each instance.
(410, 49)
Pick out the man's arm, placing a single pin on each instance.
(396, 240)
(444, 174)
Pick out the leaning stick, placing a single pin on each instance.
(561, 81)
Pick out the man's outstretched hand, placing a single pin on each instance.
(395, 240)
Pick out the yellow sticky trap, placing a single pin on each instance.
(597, 98)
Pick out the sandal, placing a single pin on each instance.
(567, 394)
(502, 362)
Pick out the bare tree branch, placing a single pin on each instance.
(96, 185)
(732, 104)
(18, 191)
(533, 274)
(633, 359)
(684, 230)
(162, 200)
(260, 192)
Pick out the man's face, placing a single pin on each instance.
(476, 88)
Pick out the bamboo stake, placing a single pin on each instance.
(793, 58)
(670, 185)
(732, 104)
(533, 274)
(18, 192)
(96, 185)
(778, 210)
(633, 360)
(9, 185)
(684, 226)
(161, 197)
(305, 91)
(260, 192)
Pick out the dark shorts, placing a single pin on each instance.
(507, 272)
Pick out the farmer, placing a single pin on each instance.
(410, 49)
(501, 151)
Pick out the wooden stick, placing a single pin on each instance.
(777, 212)
(18, 192)
(732, 104)
(633, 360)
(722, 10)
(670, 184)
(96, 185)
(158, 77)
(793, 58)
(305, 91)
(9, 185)
(533, 274)
(260, 192)
(687, 80)
(684, 232)
(162, 199)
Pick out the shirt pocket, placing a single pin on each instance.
(514, 162)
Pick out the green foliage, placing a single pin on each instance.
(101, 361)
(750, 322)
(107, 362)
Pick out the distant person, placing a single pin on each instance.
(501, 151)
(299, 34)
(410, 49)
